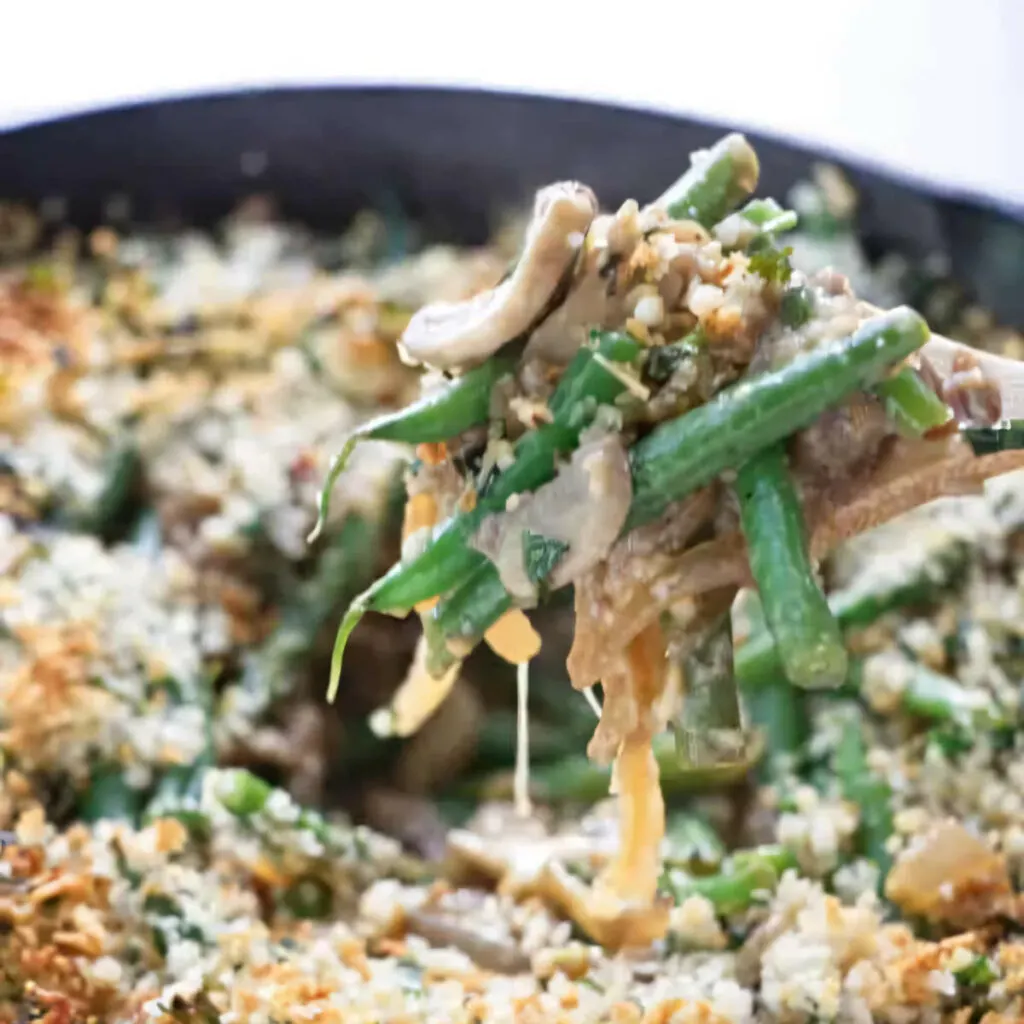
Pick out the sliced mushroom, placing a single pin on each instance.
(459, 334)
(564, 528)
(492, 954)
(590, 303)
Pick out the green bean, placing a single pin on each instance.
(109, 796)
(460, 620)
(912, 404)
(346, 565)
(309, 899)
(1006, 436)
(769, 217)
(242, 793)
(710, 730)
(465, 403)
(121, 480)
(779, 858)
(747, 876)
(587, 382)
(869, 792)
(779, 710)
(936, 563)
(449, 560)
(716, 182)
(807, 637)
(929, 694)
(859, 605)
(681, 455)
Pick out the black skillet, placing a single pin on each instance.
(452, 158)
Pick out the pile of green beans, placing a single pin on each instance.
(742, 429)
(684, 454)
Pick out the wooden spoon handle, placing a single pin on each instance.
(1007, 373)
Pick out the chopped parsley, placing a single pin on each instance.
(662, 361)
(979, 973)
(541, 554)
(772, 264)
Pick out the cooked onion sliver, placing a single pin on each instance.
(915, 473)
(713, 565)
(419, 696)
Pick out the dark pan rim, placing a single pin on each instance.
(451, 158)
(848, 159)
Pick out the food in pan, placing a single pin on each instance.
(191, 834)
(657, 408)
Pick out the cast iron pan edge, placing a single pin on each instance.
(452, 158)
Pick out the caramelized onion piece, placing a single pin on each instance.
(622, 596)
(439, 929)
(949, 874)
(914, 473)
(416, 700)
(613, 925)
(617, 601)
(633, 605)
(632, 693)
(622, 909)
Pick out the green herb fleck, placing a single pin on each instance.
(772, 264)
(541, 554)
(951, 740)
(979, 973)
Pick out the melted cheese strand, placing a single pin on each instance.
(633, 875)
(521, 783)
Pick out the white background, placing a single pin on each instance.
(928, 88)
